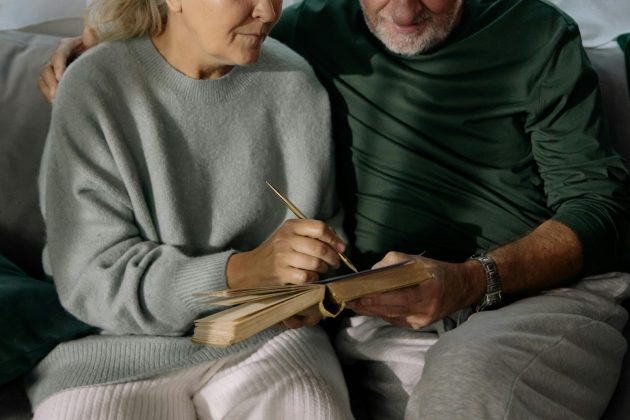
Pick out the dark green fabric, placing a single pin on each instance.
(624, 43)
(473, 144)
(32, 321)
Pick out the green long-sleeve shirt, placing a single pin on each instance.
(473, 144)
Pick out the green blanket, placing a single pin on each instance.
(32, 321)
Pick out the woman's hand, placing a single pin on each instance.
(296, 253)
(68, 50)
(309, 317)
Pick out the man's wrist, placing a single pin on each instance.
(494, 287)
(476, 282)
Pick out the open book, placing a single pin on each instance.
(256, 309)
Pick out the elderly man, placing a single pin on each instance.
(469, 131)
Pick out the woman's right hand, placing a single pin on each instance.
(296, 253)
(67, 50)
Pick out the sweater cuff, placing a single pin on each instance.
(201, 274)
(599, 243)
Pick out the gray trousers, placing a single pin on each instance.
(555, 355)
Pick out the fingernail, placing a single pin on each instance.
(340, 247)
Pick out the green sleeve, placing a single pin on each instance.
(284, 30)
(32, 321)
(585, 180)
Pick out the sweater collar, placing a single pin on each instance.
(164, 75)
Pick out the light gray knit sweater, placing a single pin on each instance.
(150, 180)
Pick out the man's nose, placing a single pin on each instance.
(406, 12)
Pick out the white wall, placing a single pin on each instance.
(20, 13)
(600, 21)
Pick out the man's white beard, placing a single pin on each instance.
(417, 43)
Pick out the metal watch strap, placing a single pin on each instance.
(494, 293)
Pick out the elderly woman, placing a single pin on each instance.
(153, 189)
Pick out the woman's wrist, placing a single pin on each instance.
(234, 271)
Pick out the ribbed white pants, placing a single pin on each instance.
(293, 376)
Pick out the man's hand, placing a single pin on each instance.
(68, 50)
(547, 257)
(453, 287)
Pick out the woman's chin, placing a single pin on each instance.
(247, 58)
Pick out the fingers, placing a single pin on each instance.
(298, 321)
(298, 276)
(88, 37)
(54, 68)
(293, 322)
(392, 258)
(311, 321)
(308, 245)
(67, 49)
(389, 312)
(313, 254)
(296, 253)
(414, 306)
(317, 229)
(409, 322)
(46, 82)
(413, 301)
(397, 298)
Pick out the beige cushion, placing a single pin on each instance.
(24, 123)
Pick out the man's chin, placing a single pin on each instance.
(415, 39)
(408, 45)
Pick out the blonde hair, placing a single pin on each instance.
(124, 19)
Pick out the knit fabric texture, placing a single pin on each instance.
(150, 180)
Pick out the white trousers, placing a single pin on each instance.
(295, 375)
(555, 355)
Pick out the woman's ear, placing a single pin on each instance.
(174, 6)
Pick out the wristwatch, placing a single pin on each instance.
(494, 293)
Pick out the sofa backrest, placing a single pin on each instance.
(611, 69)
(24, 119)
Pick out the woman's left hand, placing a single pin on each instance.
(298, 321)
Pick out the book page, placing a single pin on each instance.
(236, 324)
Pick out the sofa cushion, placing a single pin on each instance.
(24, 123)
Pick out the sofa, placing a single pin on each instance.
(24, 120)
